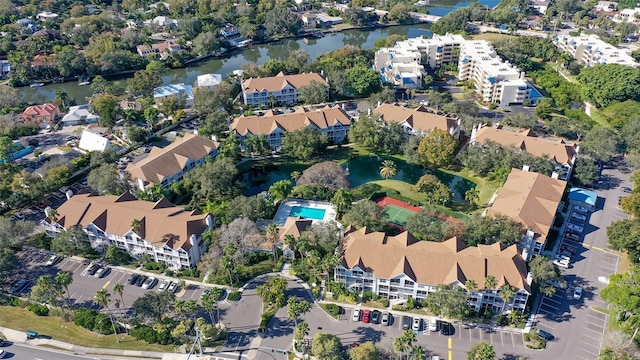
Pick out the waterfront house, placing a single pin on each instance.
(230, 31)
(163, 49)
(418, 120)
(79, 114)
(309, 20)
(273, 125)
(42, 61)
(169, 164)
(279, 89)
(401, 266)
(208, 81)
(163, 21)
(90, 141)
(45, 114)
(183, 92)
(160, 230)
(46, 15)
(532, 199)
(131, 103)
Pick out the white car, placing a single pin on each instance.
(575, 227)
(2, 354)
(164, 285)
(433, 324)
(149, 283)
(385, 319)
(417, 323)
(53, 260)
(604, 279)
(577, 293)
(173, 287)
(578, 216)
(561, 263)
(580, 209)
(356, 314)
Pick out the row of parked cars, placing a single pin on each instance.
(149, 282)
(416, 323)
(572, 232)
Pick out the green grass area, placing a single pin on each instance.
(23, 320)
(488, 36)
(337, 316)
(598, 116)
(485, 188)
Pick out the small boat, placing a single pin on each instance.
(36, 85)
(84, 83)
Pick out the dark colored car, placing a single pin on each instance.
(375, 317)
(103, 271)
(545, 335)
(406, 323)
(140, 280)
(446, 328)
(19, 286)
(93, 269)
(626, 189)
(132, 279)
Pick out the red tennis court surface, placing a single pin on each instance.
(385, 200)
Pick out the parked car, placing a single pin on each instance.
(417, 324)
(578, 216)
(568, 249)
(406, 322)
(103, 271)
(53, 259)
(446, 328)
(164, 285)
(545, 335)
(173, 287)
(150, 283)
(141, 280)
(92, 269)
(132, 279)
(366, 314)
(433, 324)
(571, 236)
(561, 263)
(577, 293)
(580, 209)
(19, 286)
(375, 317)
(575, 227)
(385, 319)
(356, 315)
(2, 354)
(626, 189)
(604, 279)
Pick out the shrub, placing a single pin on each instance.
(368, 295)
(334, 309)
(40, 310)
(168, 272)
(103, 324)
(146, 333)
(85, 318)
(152, 265)
(13, 302)
(264, 321)
(234, 296)
(384, 302)
(190, 273)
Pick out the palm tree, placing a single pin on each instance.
(418, 353)
(295, 175)
(472, 196)
(273, 237)
(388, 169)
(119, 289)
(64, 279)
(404, 343)
(499, 175)
(342, 200)
(210, 303)
(290, 242)
(227, 263)
(52, 215)
(490, 282)
(507, 293)
(301, 331)
(102, 298)
(136, 226)
(272, 101)
(471, 286)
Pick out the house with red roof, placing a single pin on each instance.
(44, 114)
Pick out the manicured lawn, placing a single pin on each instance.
(57, 329)
(488, 36)
(324, 307)
(485, 188)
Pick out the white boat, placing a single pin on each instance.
(84, 83)
(36, 85)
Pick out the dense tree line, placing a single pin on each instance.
(603, 85)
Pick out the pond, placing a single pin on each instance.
(362, 169)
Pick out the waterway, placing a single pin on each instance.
(257, 54)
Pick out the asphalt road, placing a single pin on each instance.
(20, 352)
(579, 330)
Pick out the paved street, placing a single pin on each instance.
(21, 352)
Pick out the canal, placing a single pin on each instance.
(257, 54)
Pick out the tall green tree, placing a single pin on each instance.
(363, 81)
(404, 343)
(435, 190)
(481, 351)
(106, 180)
(388, 169)
(365, 351)
(437, 148)
(63, 280)
(326, 346)
(365, 213)
(305, 143)
(313, 93)
(107, 107)
(143, 82)
(217, 180)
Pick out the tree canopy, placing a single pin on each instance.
(326, 173)
(437, 148)
(366, 213)
(605, 84)
(305, 143)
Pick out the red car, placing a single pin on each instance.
(365, 315)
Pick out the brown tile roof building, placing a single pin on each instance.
(114, 215)
(294, 227)
(531, 199)
(432, 263)
(331, 120)
(419, 120)
(283, 88)
(557, 150)
(169, 164)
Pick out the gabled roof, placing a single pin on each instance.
(554, 149)
(420, 119)
(294, 227)
(162, 222)
(41, 110)
(531, 199)
(432, 263)
(280, 81)
(168, 161)
(287, 122)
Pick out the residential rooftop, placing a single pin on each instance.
(281, 80)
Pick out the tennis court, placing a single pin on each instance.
(397, 215)
(397, 211)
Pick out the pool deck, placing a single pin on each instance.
(285, 209)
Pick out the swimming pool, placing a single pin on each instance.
(307, 212)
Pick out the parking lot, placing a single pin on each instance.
(84, 287)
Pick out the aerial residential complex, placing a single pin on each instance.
(333, 121)
(532, 199)
(420, 120)
(590, 51)
(166, 233)
(397, 267)
(164, 166)
(279, 89)
(494, 80)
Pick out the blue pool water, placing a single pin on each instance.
(307, 213)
